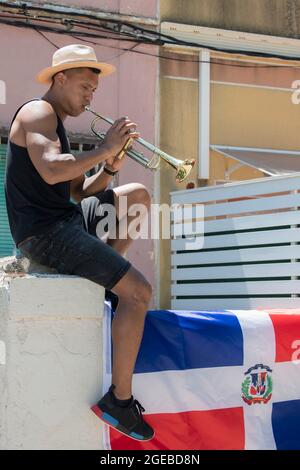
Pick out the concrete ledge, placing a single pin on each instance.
(51, 329)
(55, 296)
(20, 265)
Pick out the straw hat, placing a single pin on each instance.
(73, 56)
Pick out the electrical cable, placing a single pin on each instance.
(4, 19)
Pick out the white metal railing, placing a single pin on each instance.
(251, 252)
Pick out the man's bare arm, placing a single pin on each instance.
(95, 183)
(39, 122)
(86, 186)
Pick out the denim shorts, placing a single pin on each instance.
(72, 246)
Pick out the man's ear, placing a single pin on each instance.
(60, 78)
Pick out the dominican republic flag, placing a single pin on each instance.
(216, 380)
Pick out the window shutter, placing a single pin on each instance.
(7, 245)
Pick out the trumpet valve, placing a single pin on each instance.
(125, 148)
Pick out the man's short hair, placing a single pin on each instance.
(97, 71)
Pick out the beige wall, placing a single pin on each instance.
(254, 117)
(178, 137)
(274, 17)
(124, 7)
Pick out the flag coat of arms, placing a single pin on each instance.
(215, 380)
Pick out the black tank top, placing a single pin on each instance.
(33, 205)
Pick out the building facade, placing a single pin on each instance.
(224, 82)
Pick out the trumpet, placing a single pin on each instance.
(182, 167)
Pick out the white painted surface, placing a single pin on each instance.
(232, 40)
(204, 113)
(52, 329)
(248, 256)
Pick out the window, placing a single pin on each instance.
(7, 245)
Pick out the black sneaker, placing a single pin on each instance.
(127, 420)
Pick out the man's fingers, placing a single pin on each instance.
(131, 135)
(124, 122)
(127, 128)
(134, 135)
(119, 122)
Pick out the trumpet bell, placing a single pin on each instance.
(183, 170)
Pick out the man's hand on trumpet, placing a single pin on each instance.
(116, 138)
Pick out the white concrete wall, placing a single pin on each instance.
(51, 332)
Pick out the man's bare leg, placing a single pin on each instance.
(136, 194)
(134, 294)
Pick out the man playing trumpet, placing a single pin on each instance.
(42, 175)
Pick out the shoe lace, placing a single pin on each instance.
(138, 407)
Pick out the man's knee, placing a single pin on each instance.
(138, 292)
(141, 295)
(141, 195)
